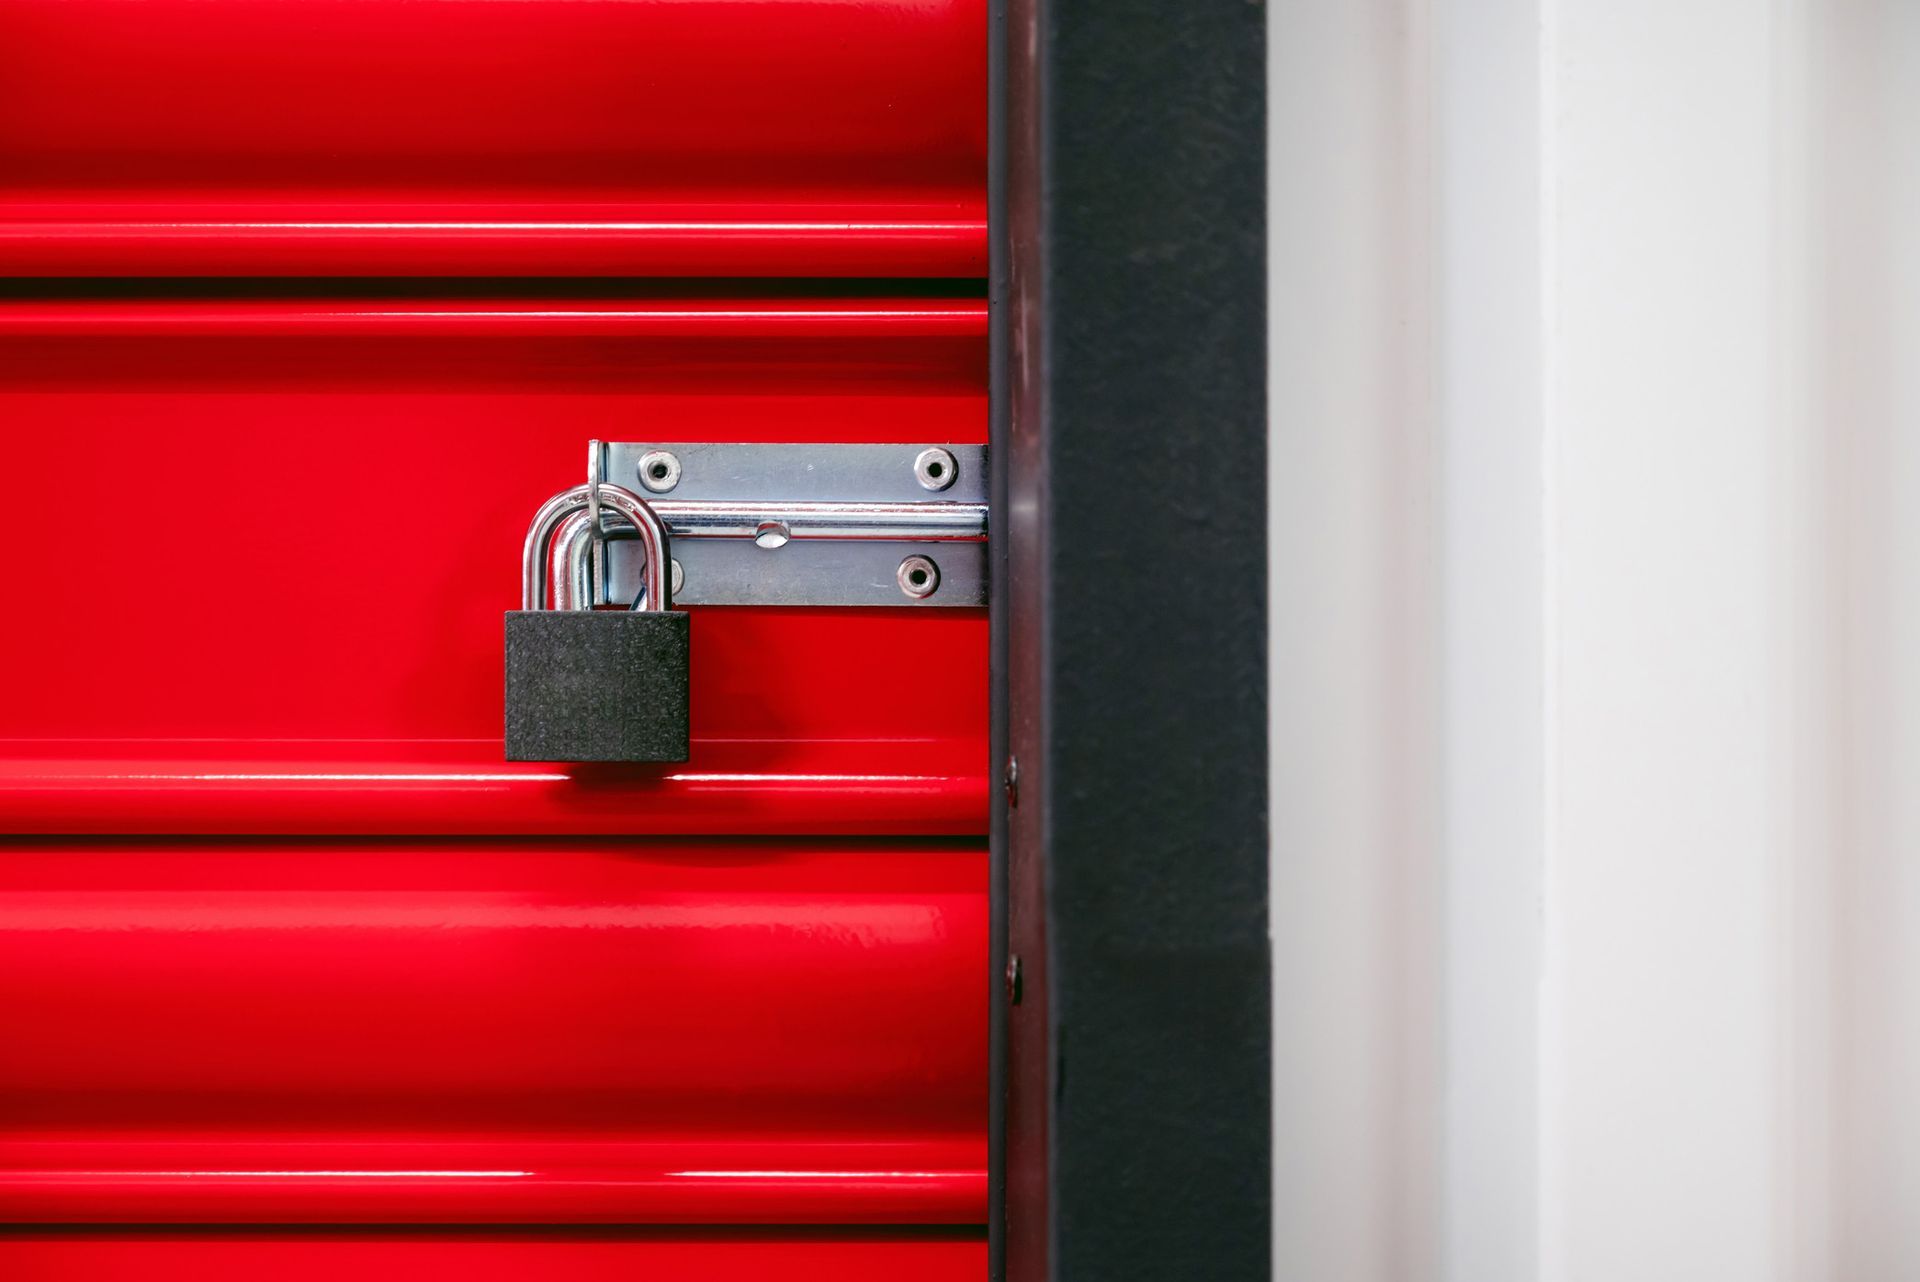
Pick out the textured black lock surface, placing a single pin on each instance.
(597, 685)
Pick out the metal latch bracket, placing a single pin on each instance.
(804, 525)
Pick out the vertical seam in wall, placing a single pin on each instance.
(1550, 1230)
(1418, 665)
(1803, 900)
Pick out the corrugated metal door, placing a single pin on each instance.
(309, 307)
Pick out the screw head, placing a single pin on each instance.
(918, 577)
(935, 469)
(679, 577)
(659, 471)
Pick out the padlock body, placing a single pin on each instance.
(597, 685)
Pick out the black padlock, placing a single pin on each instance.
(596, 685)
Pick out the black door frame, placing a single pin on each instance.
(1131, 1014)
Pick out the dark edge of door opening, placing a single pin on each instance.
(1132, 1118)
(997, 995)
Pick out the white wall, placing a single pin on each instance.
(1596, 506)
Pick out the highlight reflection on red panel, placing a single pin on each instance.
(496, 1255)
(434, 1032)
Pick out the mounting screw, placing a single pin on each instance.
(1013, 980)
(659, 471)
(935, 469)
(918, 576)
(679, 577)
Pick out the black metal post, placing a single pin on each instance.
(1130, 641)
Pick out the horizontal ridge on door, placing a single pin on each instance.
(473, 138)
(272, 631)
(498, 1254)
(436, 1031)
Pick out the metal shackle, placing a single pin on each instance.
(536, 556)
(575, 565)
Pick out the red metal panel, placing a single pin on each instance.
(139, 1255)
(472, 137)
(268, 625)
(268, 539)
(434, 1032)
